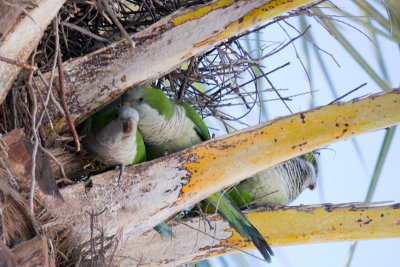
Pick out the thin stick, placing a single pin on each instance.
(12, 179)
(59, 164)
(185, 80)
(105, 5)
(52, 98)
(49, 92)
(36, 144)
(18, 63)
(45, 252)
(62, 87)
(84, 31)
(343, 96)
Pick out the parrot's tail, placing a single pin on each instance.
(231, 213)
(164, 230)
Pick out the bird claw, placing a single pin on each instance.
(121, 171)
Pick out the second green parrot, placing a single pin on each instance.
(279, 185)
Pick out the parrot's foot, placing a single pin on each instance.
(121, 171)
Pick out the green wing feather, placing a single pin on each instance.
(241, 197)
(141, 150)
(231, 213)
(82, 127)
(201, 127)
(98, 121)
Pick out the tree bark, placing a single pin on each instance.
(20, 34)
(18, 158)
(34, 252)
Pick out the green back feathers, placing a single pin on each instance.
(83, 125)
(98, 121)
(191, 113)
(157, 99)
(241, 197)
(141, 150)
(308, 157)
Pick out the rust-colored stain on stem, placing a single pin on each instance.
(274, 142)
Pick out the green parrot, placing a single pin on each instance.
(279, 185)
(170, 126)
(112, 136)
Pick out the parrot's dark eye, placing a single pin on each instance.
(141, 99)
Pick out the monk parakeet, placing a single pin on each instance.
(113, 137)
(170, 126)
(279, 185)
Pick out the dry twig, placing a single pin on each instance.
(19, 64)
(62, 88)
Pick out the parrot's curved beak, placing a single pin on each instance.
(128, 126)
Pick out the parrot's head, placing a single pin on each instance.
(299, 173)
(129, 118)
(146, 97)
(137, 96)
(310, 170)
